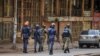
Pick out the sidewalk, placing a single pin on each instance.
(7, 48)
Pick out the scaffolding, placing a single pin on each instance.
(37, 11)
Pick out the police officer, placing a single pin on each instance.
(37, 38)
(43, 36)
(51, 37)
(66, 38)
(25, 33)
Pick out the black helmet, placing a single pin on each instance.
(37, 26)
(68, 25)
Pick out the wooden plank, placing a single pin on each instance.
(8, 19)
(82, 7)
(92, 9)
(22, 11)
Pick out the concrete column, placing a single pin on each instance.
(15, 25)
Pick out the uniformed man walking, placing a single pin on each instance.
(66, 38)
(43, 35)
(51, 37)
(25, 33)
(37, 39)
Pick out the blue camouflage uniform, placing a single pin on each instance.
(25, 34)
(51, 37)
(37, 39)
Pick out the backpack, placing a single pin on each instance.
(66, 33)
(36, 33)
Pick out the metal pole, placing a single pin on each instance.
(58, 24)
(15, 24)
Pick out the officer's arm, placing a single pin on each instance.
(33, 36)
(21, 32)
(48, 37)
(30, 31)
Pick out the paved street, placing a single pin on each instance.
(5, 50)
(74, 52)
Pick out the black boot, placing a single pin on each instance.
(65, 50)
(68, 50)
(35, 50)
(63, 47)
(39, 50)
(51, 52)
(25, 50)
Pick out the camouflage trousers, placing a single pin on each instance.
(66, 41)
(43, 38)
